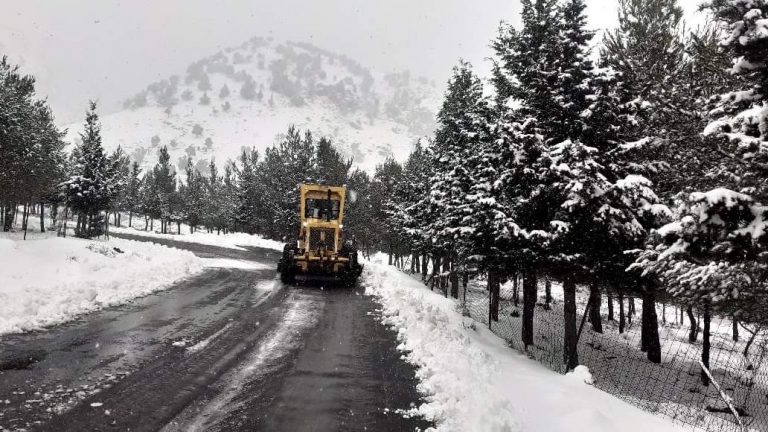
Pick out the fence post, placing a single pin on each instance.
(723, 396)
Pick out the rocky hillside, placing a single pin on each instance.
(244, 96)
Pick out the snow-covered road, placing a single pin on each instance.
(229, 349)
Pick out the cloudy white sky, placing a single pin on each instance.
(108, 49)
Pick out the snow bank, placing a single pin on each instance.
(231, 241)
(472, 381)
(52, 280)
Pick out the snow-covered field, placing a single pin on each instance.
(50, 280)
(473, 381)
(231, 240)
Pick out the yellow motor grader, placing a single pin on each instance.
(320, 252)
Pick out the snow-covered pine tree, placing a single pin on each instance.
(31, 147)
(150, 200)
(88, 190)
(407, 203)
(119, 177)
(133, 192)
(330, 166)
(229, 197)
(359, 212)
(647, 53)
(527, 60)
(713, 253)
(193, 193)
(545, 69)
(385, 179)
(250, 214)
(164, 177)
(739, 115)
(284, 167)
(462, 125)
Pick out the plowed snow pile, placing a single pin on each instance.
(51, 280)
(473, 382)
(231, 240)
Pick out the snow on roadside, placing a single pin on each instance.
(235, 264)
(52, 280)
(231, 241)
(472, 381)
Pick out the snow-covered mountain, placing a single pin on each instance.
(245, 96)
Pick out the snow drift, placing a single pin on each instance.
(472, 381)
(52, 280)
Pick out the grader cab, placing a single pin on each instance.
(320, 252)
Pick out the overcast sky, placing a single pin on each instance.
(108, 50)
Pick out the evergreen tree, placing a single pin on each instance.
(386, 178)
(164, 178)
(284, 167)
(133, 192)
(193, 193)
(359, 212)
(32, 161)
(251, 211)
(224, 92)
(330, 166)
(462, 124)
(88, 191)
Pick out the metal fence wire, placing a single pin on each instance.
(672, 388)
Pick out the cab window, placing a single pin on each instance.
(321, 209)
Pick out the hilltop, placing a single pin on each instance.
(245, 96)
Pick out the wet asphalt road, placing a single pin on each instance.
(228, 350)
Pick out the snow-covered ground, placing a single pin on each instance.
(231, 240)
(473, 381)
(49, 280)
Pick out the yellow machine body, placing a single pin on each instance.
(320, 248)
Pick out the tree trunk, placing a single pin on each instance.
(609, 297)
(530, 293)
(493, 292)
(445, 276)
(705, 346)
(54, 214)
(454, 281)
(594, 309)
(649, 332)
(178, 227)
(693, 334)
(622, 315)
(464, 283)
(152, 224)
(515, 289)
(630, 309)
(547, 293)
(42, 218)
(25, 219)
(570, 351)
(424, 266)
(8, 218)
(435, 272)
(735, 329)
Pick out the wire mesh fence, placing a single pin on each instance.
(673, 387)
